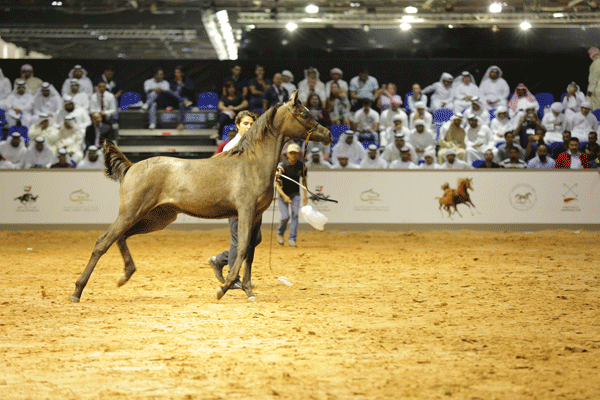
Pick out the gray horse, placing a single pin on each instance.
(238, 183)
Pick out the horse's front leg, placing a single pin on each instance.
(470, 202)
(254, 241)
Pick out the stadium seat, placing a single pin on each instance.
(554, 146)
(442, 115)
(409, 94)
(2, 118)
(420, 162)
(208, 101)
(130, 98)
(582, 145)
(477, 163)
(21, 129)
(544, 100)
(499, 144)
(226, 130)
(492, 113)
(597, 114)
(366, 143)
(337, 130)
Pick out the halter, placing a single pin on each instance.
(309, 131)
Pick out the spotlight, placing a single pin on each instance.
(495, 28)
(450, 26)
(495, 7)
(558, 15)
(366, 28)
(411, 10)
(405, 26)
(525, 25)
(291, 26)
(284, 42)
(312, 9)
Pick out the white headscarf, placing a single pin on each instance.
(45, 158)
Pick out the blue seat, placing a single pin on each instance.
(208, 101)
(366, 143)
(130, 98)
(477, 163)
(420, 162)
(442, 115)
(562, 96)
(492, 113)
(21, 129)
(544, 100)
(2, 118)
(499, 144)
(597, 114)
(338, 130)
(406, 96)
(554, 146)
(582, 145)
(226, 130)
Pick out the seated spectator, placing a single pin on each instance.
(463, 90)
(5, 164)
(392, 151)
(33, 83)
(493, 89)
(500, 124)
(417, 96)
(70, 110)
(229, 106)
(19, 105)
(98, 131)
(361, 87)
(350, 147)
(571, 103)
(478, 109)
(104, 103)
(336, 77)
(430, 161)
(366, 122)
(592, 149)
(572, 158)
(47, 100)
(316, 161)
(318, 111)
(504, 150)
(311, 84)
(63, 160)
(70, 137)
(338, 106)
(373, 159)
(541, 160)
(112, 84)
(442, 93)
(488, 156)
(288, 81)
(404, 161)
(181, 90)
(419, 112)
(521, 95)
(46, 129)
(40, 155)
(325, 150)
(554, 121)
(5, 87)
(536, 140)
(93, 159)
(241, 84)
(452, 162)
(479, 139)
(344, 163)
(386, 119)
(528, 123)
(452, 136)
(80, 99)
(275, 93)
(388, 136)
(564, 146)
(13, 149)
(514, 160)
(256, 88)
(389, 94)
(156, 89)
(85, 84)
(422, 139)
(582, 122)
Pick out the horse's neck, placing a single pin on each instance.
(462, 190)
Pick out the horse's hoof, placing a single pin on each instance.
(123, 280)
(220, 293)
(73, 299)
(253, 299)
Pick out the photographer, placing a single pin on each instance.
(529, 120)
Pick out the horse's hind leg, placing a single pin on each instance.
(129, 265)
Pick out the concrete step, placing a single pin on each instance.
(166, 132)
(167, 149)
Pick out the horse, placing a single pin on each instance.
(238, 182)
(452, 198)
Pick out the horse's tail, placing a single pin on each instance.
(116, 163)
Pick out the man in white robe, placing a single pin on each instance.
(479, 139)
(80, 98)
(463, 90)
(19, 105)
(493, 89)
(47, 100)
(70, 110)
(430, 163)
(342, 162)
(386, 119)
(373, 159)
(40, 155)
(336, 76)
(582, 123)
(14, 149)
(311, 84)
(479, 109)
(85, 84)
(404, 161)
(454, 163)
(5, 86)
(593, 89)
(316, 161)
(442, 93)
(71, 138)
(392, 151)
(554, 121)
(93, 159)
(421, 113)
(500, 124)
(46, 129)
(399, 126)
(573, 100)
(422, 139)
(349, 146)
(288, 80)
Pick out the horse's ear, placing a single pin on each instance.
(294, 97)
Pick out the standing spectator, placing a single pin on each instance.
(500, 124)
(493, 89)
(417, 96)
(522, 95)
(5, 87)
(404, 162)
(241, 84)
(392, 151)
(229, 106)
(593, 91)
(452, 162)
(388, 136)
(366, 122)
(336, 77)
(14, 150)
(592, 149)
(564, 146)
(256, 88)
(422, 139)
(342, 162)
(316, 161)
(275, 93)
(479, 139)
(63, 160)
(361, 87)
(541, 160)
(388, 116)
(573, 100)
(33, 82)
(98, 131)
(535, 141)
(373, 159)
(80, 99)
(112, 84)
(420, 112)
(452, 136)
(514, 160)
(69, 110)
(156, 89)
(288, 81)
(582, 122)
(442, 93)
(572, 158)
(463, 91)
(554, 122)
(92, 159)
(46, 129)
(19, 105)
(85, 84)
(47, 100)
(389, 95)
(488, 157)
(318, 111)
(350, 147)
(40, 155)
(311, 84)
(104, 103)
(338, 106)
(430, 163)
(504, 150)
(289, 191)
(528, 123)
(70, 137)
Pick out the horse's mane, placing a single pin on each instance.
(260, 129)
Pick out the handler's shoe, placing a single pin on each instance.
(280, 240)
(293, 244)
(218, 270)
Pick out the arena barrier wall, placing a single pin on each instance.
(402, 200)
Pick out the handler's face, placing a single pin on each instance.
(245, 123)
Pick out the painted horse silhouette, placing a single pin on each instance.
(454, 197)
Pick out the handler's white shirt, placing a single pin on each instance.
(232, 142)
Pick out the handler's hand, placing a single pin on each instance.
(305, 201)
(287, 199)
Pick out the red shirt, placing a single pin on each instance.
(563, 161)
(221, 146)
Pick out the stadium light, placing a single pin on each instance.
(411, 10)
(312, 9)
(525, 25)
(405, 26)
(495, 7)
(291, 26)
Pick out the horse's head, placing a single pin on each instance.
(466, 183)
(300, 124)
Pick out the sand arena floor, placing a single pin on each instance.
(370, 315)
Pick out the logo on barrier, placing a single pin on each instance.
(319, 204)
(27, 200)
(370, 196)
(522, 197)
(79, 196)
(82, 201)
(570, 198)
(453, 197)
(373, 200)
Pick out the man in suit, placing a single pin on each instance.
(97, 131)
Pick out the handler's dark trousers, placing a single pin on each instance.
(228, 257)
